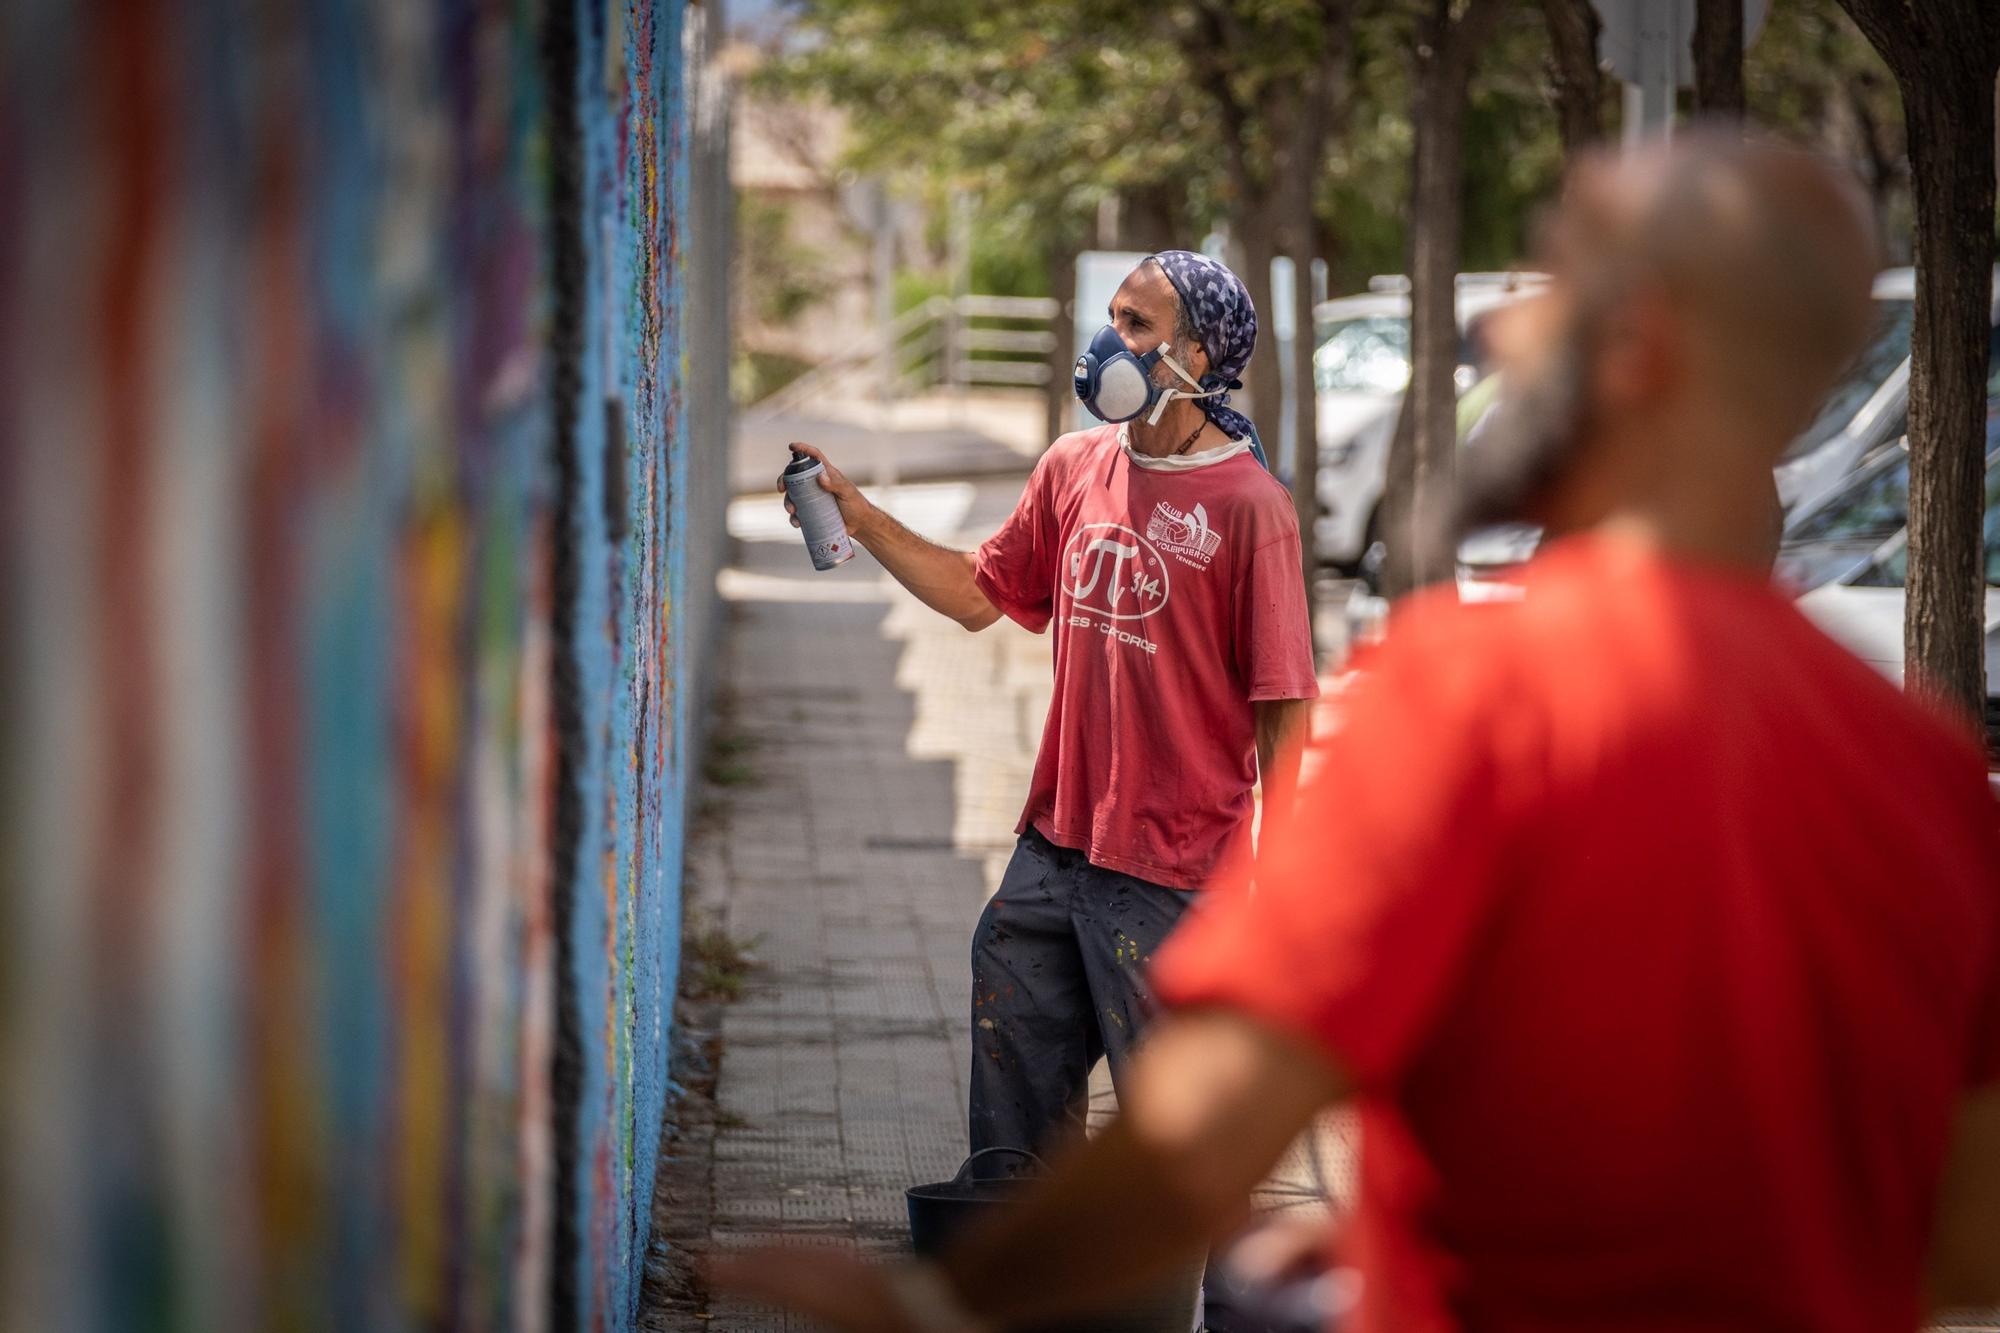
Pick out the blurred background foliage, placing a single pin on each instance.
(1045, 111)
(1139, 124)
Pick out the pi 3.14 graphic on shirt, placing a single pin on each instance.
(1111, 574)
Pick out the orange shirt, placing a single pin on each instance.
(1660, 937)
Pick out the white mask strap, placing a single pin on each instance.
(1168, 395)
(1166, 355)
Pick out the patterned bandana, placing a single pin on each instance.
(1218, 305)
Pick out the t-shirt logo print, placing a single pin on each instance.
(1112, 570)
(1187, 537)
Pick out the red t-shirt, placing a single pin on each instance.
(1659, 937)
(1178, 601)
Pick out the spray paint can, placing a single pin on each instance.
(819, 513)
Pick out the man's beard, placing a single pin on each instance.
(1525, 445)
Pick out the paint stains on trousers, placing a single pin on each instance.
(1059, 963)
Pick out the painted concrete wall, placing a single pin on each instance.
(360, 448)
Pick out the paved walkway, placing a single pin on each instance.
(881, 760)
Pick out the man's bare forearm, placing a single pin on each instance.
(940, 577)
(1283, 728)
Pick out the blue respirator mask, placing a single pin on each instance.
(1114, 384)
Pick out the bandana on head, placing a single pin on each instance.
(1218, 305)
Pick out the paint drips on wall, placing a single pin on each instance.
(356, 569)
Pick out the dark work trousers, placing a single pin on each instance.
(1058, 979)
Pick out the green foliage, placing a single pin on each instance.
(1513, 152)
(1027, 105)
(914, 287)
(755, 375)
(1007, 263)
(779, 277)
(715, 964)
(1813, 77)
(1044, 108)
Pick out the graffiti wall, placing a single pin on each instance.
(360, 459)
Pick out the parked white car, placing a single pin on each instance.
(1880, 384)
(1862, 420)
(1863, 608)
(1868, 409)
(1359, 371)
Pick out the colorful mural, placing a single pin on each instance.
(360, 459)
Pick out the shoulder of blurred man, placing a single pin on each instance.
(1632, 648)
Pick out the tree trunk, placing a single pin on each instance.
(1945, 55)
(1320, 101)
(1880, 162)
(1574, 75)
(1305, 402)
(1149, 220)
(1951, 126)
(1256, 232)
(1437, 224)
(1718, 58)
(1059, 397)
(1398, 492)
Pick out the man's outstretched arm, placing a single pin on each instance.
(940, 577)
(1212, 1101)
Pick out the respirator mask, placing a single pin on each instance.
(1114, 384)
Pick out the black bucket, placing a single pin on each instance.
(939, 1212)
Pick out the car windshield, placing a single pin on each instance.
(1853, 529)
(1888, 347)
(1869, 509)
(1371, 354)
(1892, 568)
(1870, 506)
(1901, 425)
(1367, 354)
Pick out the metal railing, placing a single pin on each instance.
(944, 342)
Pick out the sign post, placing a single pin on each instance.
(1650, 45)
(1284, 328)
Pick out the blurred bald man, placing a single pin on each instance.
(1656, 938)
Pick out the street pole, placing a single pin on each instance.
(1650, 46)
(956, 353)
(885, 316)
(1284, 273)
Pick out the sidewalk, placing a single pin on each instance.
(884, 753)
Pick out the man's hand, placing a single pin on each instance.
(941, 578)
(855, 508)
(835, 1288)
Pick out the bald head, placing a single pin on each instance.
(1765, 253)
(1705, 297)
